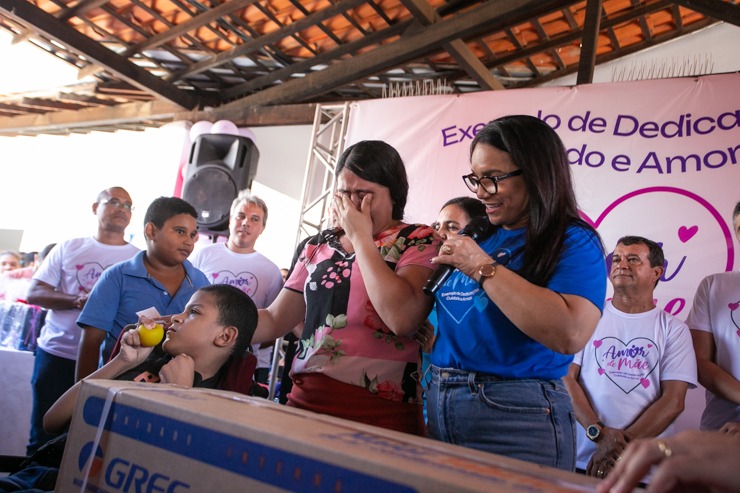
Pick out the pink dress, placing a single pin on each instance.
(344, 338)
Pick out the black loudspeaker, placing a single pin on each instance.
(219, 166)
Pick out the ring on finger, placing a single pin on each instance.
(665, 450)
(447, 250)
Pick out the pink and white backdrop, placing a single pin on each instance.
(656, 158)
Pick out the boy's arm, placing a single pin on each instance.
(88, 353)
(97, 317)
(131, 355)
(59, 414)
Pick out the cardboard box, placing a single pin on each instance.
(159, 438)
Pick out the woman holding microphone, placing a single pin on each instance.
(520, 303)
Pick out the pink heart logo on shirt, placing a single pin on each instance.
(246, 281)
(685, 234)
(88, 274)
(733, 306)
(627, 364)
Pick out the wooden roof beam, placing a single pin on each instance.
(470, 24)
(27, 14)
(717, 9)
(266, 39)
(187, 26)
(63, 15)
(150, 113)
(80, 8)
(85, 119)
(628, 50)
(303, 66)
(425, 13)
(552, 51)
(676, 12)
(48, 105)
(17, 109)
(565, 39)
(589, 42)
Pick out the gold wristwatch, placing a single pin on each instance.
(486, 271)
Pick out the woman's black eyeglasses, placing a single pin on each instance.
(489, 183)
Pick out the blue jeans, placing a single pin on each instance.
(527, 419)
(52, 376)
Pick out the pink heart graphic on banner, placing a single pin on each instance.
(214, 275)
(733, 306)
(685, 234)
(738, 333)
(649, 346)
(79, 266)
(597, 344)
(645, 382)
(601, 371)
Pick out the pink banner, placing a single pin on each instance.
(654, 158)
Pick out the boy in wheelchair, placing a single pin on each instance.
(206, 346)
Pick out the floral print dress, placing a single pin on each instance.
(344, 338)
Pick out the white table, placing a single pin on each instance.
(16, 368)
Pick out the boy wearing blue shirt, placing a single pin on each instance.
(160, 277)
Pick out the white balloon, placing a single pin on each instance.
(200, 128)
(224, 127)
(246, 132)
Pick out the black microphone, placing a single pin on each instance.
(478, 229)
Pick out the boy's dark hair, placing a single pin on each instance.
(736, 211)
(164, 208)
(235, 308)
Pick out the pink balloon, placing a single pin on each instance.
(246, 132)
(200, 128)
(224, 127)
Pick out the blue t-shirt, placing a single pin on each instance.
(474, 335)
(126, 288)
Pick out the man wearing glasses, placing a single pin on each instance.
(61, 285)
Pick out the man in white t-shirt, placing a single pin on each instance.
(61, 285)
(715, 327)
(630, 380)
(236, 262)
